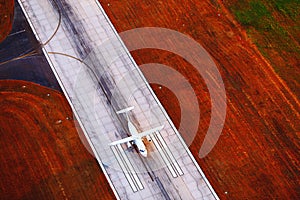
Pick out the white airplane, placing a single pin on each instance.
(135, 137)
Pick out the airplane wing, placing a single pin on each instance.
(140, 135)
(149, 132)
(124, 140)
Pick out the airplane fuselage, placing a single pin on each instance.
(136, 137)
(138, 142)
(141, 147)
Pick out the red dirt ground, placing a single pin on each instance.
(6, 17)
(257, 155)
(40, 157)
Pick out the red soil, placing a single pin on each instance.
(40, 157)
(6, 17)
(257, 155)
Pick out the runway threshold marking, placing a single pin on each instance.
(130, 167)
(164, 157)
(127, 168)
(168, 153)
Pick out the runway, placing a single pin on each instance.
(99, 77)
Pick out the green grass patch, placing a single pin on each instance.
(257, 15)
(273, 25)
(288, 8)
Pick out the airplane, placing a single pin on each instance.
(135, 137)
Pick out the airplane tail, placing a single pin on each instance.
(125, 110)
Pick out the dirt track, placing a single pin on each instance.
(257, 155)
(41, 157)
